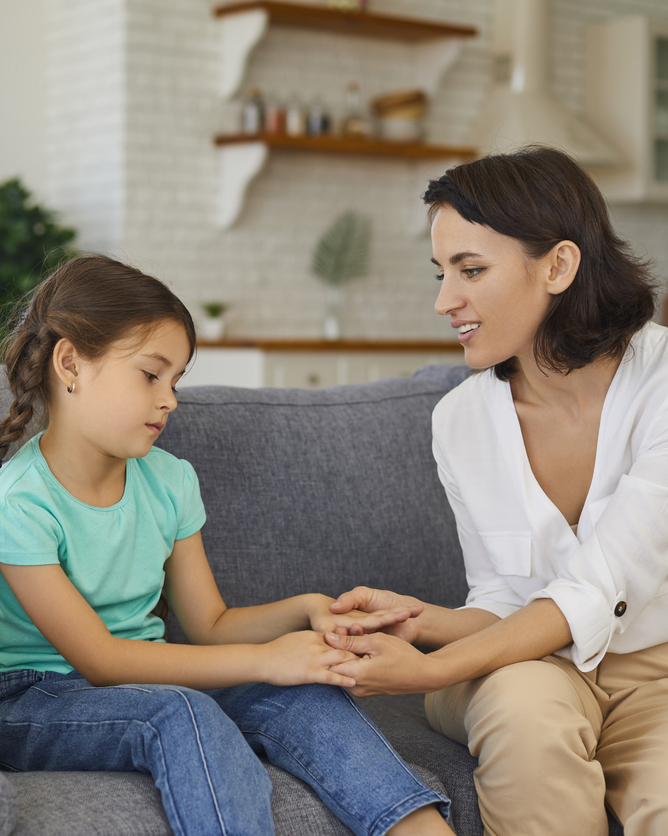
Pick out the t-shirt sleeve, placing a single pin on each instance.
(192, 515)
(29, 534)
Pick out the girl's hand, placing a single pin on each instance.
(381, 600)
(357, 622)
(387, 665)
(301, 658)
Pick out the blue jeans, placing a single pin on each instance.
(199, 747)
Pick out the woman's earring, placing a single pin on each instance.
(70, 389)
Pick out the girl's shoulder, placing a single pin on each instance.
(21, 476)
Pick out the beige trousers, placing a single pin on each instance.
(555, 744)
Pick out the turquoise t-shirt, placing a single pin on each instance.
(114, 556)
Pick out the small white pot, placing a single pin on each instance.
(212, 328)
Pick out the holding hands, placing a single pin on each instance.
(365, 610)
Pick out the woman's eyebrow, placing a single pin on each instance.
(457, 257)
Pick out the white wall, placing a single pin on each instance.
(133, 106)
(23, 92)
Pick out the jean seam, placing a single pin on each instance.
(203, 757)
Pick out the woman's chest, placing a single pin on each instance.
(561, 453)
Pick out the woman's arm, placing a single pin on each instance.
(70, 624)
(391, 666)
(433, 626)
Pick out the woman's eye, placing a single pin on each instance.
(175, 390)
(150, 376)
(472, 272)
(439, 277)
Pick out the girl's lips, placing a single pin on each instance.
(156, 428)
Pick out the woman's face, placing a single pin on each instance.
(494, 293)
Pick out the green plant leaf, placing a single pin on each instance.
(342, 253)
(32, 244)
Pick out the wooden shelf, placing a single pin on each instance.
(363, 24)
(340, 145)
(333, 345)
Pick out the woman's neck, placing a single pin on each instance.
(574, 391)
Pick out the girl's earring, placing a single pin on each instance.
(70, 389)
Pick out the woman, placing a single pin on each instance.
(555, 462)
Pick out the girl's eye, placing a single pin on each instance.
(175, 390)
(472, 272)
(150, 376)
(439, 277)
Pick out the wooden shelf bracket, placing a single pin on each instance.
(239, 164)
(240, 33)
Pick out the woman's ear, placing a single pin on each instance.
(66, 362)
(563, 262)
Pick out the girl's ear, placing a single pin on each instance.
(563, 260)
(66, 362)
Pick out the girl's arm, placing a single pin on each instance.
(71, 625)
(200, 610)
(392, 666)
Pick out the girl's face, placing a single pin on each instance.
(490, 288)
(122, 401)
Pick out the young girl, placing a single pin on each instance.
(94, 524)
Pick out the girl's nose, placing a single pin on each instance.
(169, 400)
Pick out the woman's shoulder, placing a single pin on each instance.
(467, 398)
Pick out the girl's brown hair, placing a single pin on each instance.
(93, 301)
(540, 196)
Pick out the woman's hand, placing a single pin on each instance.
(387, 665)
(368, 600)
(301, 658)
(356, 622)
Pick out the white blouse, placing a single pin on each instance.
(611, 579)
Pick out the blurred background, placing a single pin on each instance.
(109, 112)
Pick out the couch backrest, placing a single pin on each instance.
(321, 490)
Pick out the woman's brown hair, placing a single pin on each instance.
(93, 301)
(540, 196)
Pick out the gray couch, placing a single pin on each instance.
(305, 491)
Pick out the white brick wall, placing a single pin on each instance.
(133, 107)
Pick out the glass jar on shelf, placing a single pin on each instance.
(252, 112)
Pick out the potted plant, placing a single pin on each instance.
(32, 243)
(341, 254)
(212, 325)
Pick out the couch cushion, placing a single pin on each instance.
(321, 490)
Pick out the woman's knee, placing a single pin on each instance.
(532, 705)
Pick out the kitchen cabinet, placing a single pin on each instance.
(243, 26)
(626, 95)
(313, 364)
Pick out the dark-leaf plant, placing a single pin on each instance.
(32, 243)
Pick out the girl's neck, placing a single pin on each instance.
(88, 475)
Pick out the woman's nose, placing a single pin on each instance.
(447, 301)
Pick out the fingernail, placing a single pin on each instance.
(333, 637)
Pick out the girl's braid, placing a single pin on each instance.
(27, 364)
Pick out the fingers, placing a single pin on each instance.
(356, 599)
(359, 645)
